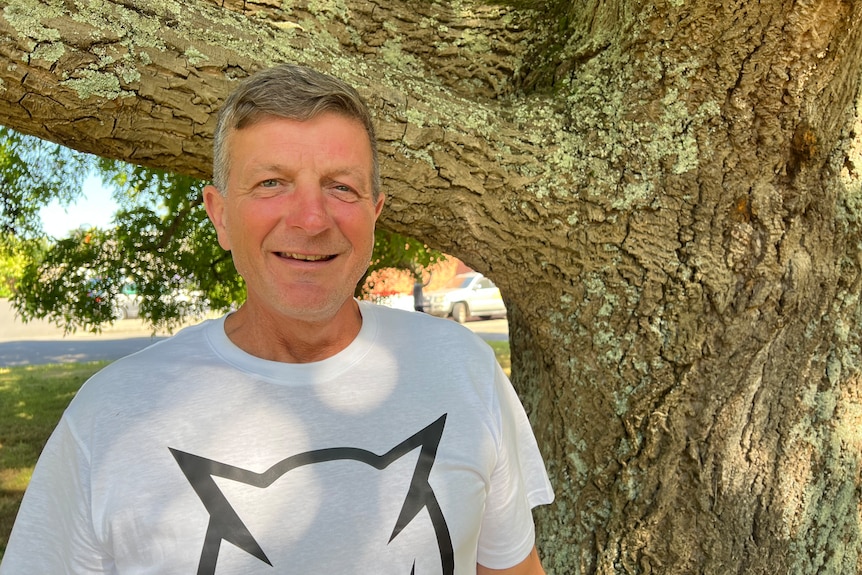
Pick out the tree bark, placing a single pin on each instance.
(668, 195)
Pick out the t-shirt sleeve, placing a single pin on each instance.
(53, 532)
(519, 482)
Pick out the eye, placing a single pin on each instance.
(267, 188)
(344, 192)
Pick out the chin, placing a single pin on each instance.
(313, 311)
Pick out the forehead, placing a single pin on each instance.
(326, 138)
(287, 123)
(326, 128)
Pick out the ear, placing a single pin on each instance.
(379, 205)
(214, 202)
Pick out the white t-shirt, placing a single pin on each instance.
(407, 452)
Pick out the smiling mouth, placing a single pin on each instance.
(304, 257)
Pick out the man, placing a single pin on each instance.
(418, 295)
(303, 433)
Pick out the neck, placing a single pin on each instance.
(291, 340)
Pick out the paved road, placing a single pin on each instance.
(35, 352)
(490, 329)
(40, 342)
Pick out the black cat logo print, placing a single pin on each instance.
(225, 523)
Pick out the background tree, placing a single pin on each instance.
(161, 242)
(667, 193)
(14, 255)
(25, 186)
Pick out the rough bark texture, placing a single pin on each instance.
(667, 193)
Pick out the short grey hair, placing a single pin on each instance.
(292, 92)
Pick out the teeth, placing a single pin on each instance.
(305, 258)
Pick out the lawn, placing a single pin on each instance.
(31, 402)
(32, 399)
(501, 350)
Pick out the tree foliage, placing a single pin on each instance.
(32, 172)
(14, 255)
(161, 241)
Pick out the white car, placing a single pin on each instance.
(127, 304)
(465, 296)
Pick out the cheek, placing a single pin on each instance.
(252, 221)
(359, 232)
(355, 221)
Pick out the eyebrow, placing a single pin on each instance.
(274, 169)
(268, 168)
(353, 172)
(363, 180)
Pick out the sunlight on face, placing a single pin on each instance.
(299, 213)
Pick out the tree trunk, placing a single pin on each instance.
(668, 195)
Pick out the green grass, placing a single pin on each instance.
(32, 399)
(501, 350)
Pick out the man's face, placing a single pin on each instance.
(298, 214)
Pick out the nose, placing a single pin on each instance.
(307, 208)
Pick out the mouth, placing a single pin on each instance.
(304, 257)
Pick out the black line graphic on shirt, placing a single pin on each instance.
(226, 525)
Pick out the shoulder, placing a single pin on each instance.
(143, 368)
(417, 327)
(436, 350)
(189, 341)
